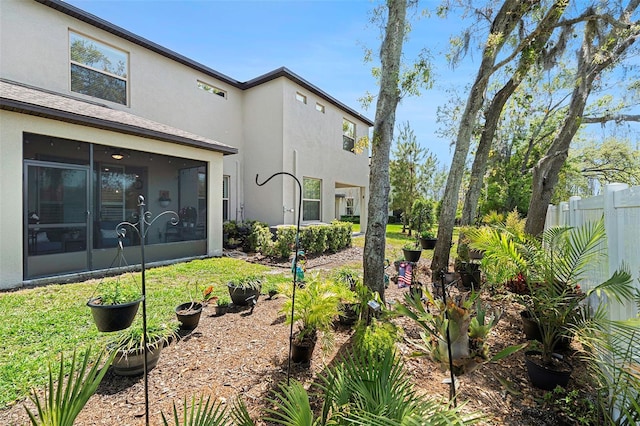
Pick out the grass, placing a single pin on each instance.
(60, 320)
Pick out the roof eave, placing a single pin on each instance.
(68, 117)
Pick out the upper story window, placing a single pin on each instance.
(348, 135)
(311, 198)
(301, 98)
(97, 69)
(320, 107)
(212, 89)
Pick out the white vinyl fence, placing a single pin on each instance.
(620, 206)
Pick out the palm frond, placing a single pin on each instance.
(200, 413)
(292, 406)
(64, 401)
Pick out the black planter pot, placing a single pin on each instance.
(243, 296)
(189, 315)
(412, 255)
(530, 327)
(476, 254)
(544, 377)
(470, 276)
(428, 243)
(113, 317)
(349, 314)
(302, 353)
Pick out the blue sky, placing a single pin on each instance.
(322, 41)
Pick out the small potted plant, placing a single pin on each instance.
(428, 239)
(189, 313)
(246, 290)
(317, 304)
(115, 305)
(412, 251)
(222, 305)
(129, 346)
(164, 199)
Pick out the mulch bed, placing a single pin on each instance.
(244, 354)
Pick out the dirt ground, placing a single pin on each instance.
(245, 354)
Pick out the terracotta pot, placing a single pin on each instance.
(189, 315)
(543, 376)
(113, 317)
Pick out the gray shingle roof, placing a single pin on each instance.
(30, 100)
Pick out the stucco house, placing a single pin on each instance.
(93, 116)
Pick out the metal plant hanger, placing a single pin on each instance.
(295, 261)
(141, 228)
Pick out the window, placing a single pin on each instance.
(311, 198)
(212, 89)
(348, 135)
(98, 70)
(320, 107)
(301, 98)
(225, 198)
(349, 206)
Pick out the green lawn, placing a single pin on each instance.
(39, 323)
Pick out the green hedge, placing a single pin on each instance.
(314, 239)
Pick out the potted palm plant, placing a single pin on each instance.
(316, 305)
(115, 305)
(552, 268)
(129, 346)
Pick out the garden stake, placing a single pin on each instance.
(295, 262)
(139, 227)
(452, 387)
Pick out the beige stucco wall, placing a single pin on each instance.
(264, 154)
(159, 89)
(316, 137)
(12, 126)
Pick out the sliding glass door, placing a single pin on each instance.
(56, 236)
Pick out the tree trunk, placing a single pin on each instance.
(388, 98)
(592, 60)
(504, 23)
(492, 114)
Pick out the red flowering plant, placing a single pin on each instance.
(552, 267)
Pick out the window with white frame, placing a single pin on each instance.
(212, 89)
(320, 107)
(348, 135)
(97, 69)
(225, 198)
(301, 98)
(349, 211)
(311, 198)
